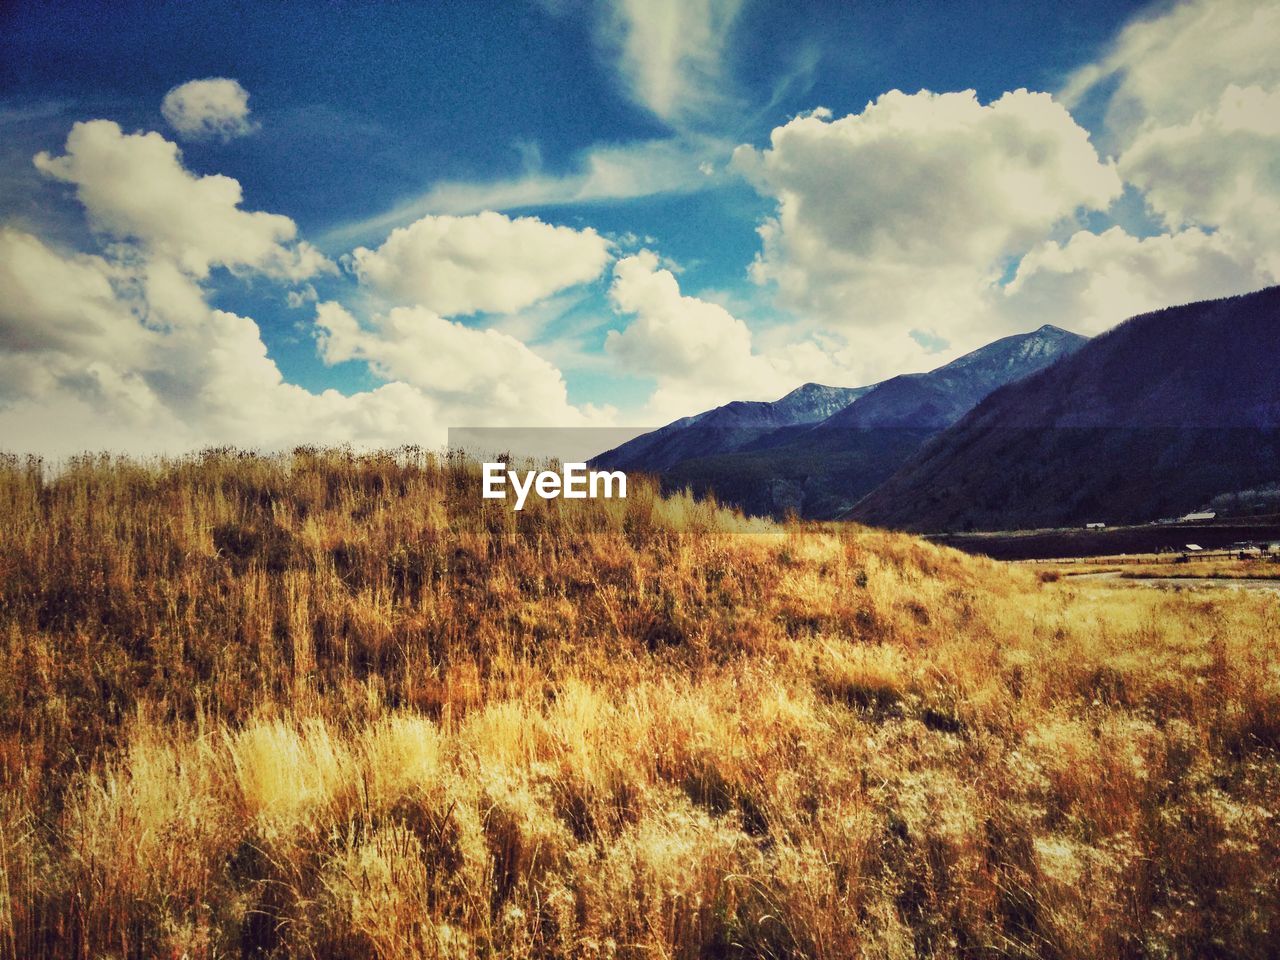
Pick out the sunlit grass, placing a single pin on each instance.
(337, 706)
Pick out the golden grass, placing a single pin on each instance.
(1265, 567)
(327, 705)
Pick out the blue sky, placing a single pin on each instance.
(723, 214)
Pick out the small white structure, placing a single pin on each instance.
(1204, 515)
(1096, 525)
(1194, 546)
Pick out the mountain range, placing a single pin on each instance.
(1162, 415)
(820, 449)
(1152, 419)
(729, 427)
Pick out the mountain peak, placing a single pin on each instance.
(728, 427)
(1188, 393)
(902, 409)
(1048, 342)
(810, 389)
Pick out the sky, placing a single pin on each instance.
(269, 224)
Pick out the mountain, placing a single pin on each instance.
(1152, 419)
(727, 428)
(820, 469)
(939, 398)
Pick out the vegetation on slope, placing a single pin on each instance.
(783, 458)
(1154, 418)
(338, 706)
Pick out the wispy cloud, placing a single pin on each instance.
(1168, 66)
(18, 112)
(605, 173)
(669, 56)
(670, 53)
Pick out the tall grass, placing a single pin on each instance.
(327, 705)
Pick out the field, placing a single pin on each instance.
(1224, 567)
(1146, 538)
(326, 705)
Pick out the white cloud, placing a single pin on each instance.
(64, 328)
(908, 215)
(672, 334)
(58, 303)
(485, 262)
(302, 296)
(477, 377)
(134, 188)
(1093, 281)
(698, 353)
(604, 173)
(89, 361)
(669, 55)
(1168, 67)
(123, 351)
(1218, 170)
(1193, 108)
(84, 365)
(904, 216)
(670, 52)
(206, 109)
(670, 59)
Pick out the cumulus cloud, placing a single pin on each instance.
(911, 214)
(905, 215)
(673, 334)
(1093, 281)
(88, 361)
(207, 109)
(1218, 170)
(86, 366)
(486, 262)
(477, 377)
(121, 349)
(52, 302)
(1166, 68)
(135, 188)
(698, 353)
(1192, 99)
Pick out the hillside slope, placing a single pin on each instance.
(1154, 418)
(819, 471)
(335, 706)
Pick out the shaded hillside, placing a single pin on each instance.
(726, 428)
(1155, 418)
(820, 471)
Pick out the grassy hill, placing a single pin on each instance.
(339, 706)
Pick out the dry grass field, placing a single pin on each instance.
(336, 706)
(1153, 566)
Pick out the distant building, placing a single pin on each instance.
(1094, 526)
(1194, 546)
(1204, 515)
